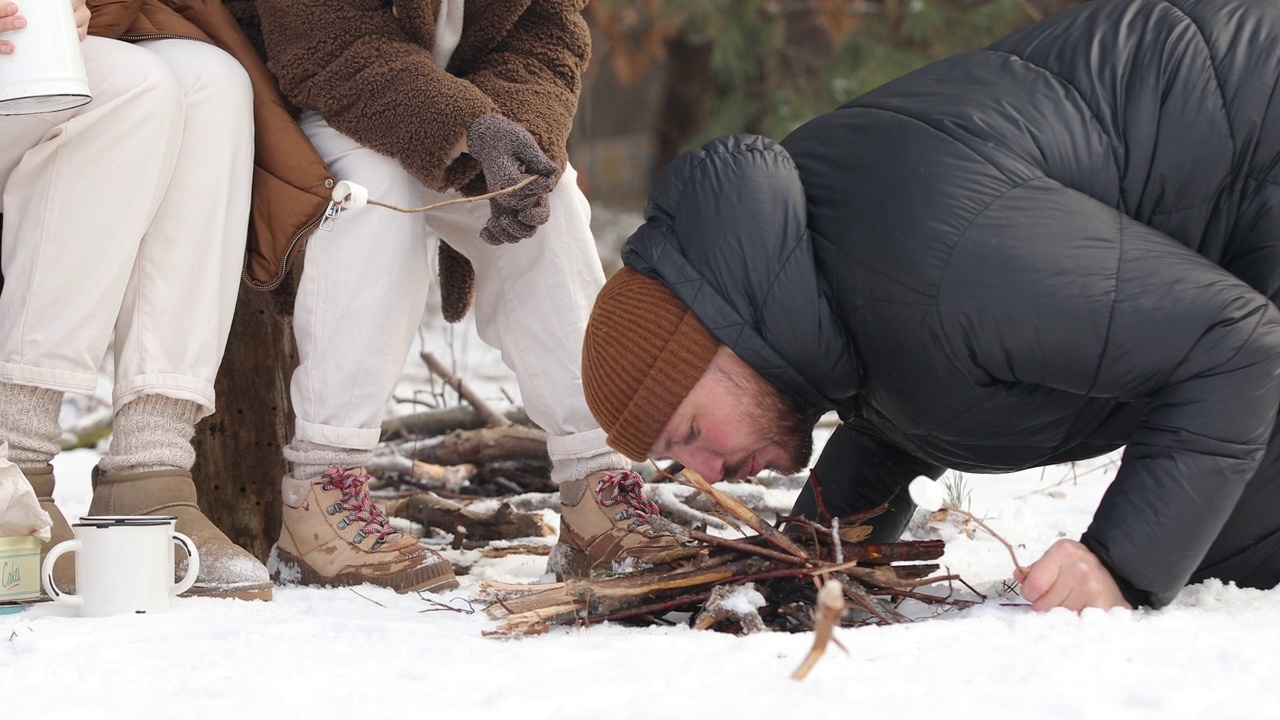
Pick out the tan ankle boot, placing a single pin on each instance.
(64, 570)
(604, 520)
(338, 536)
(226, 570)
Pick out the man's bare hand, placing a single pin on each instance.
(1072, 577)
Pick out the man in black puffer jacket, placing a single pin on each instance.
(1064, 244)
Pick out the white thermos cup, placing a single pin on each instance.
(45, 72)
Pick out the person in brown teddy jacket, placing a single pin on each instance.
(421, 101)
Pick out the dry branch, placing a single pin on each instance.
(438, 422)
(737, 509)
(784, 568)
(450, 478)
(501, 523)
(830, 605)
(490, 551)
(724, 605)
(671, 505)
(481, 446)
(491, 418)
(761, 498)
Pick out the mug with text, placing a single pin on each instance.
(124, 565)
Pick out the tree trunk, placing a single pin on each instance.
(688, 96)
(238, 448)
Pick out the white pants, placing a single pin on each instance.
(365, 286)
(128, 215)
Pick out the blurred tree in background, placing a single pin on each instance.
(713, 67)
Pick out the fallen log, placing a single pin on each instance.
(450, 478)
(432, 423)
(478, 447)
(501, 523)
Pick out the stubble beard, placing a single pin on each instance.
(777, 420)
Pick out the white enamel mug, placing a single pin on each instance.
(45, 72)
(124, 565)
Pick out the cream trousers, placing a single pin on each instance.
(365, 286)
(128, 216)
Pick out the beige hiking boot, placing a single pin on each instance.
(338, 536)
(226, 569)
(604, 521)
(64, 570)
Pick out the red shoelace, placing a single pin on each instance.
(628, 490)
(359, 507)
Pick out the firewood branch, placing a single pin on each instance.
(491, 418)
(829, 607)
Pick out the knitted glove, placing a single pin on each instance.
(507, 152)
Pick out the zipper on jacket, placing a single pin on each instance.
(288, 253)
(331, 214)
(159, 36)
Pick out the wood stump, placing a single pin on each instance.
(238, 448)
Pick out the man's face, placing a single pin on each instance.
(734, 423)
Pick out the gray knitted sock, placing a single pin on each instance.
(308, 461)
(29, 421)
(577, 467)
(152, 432)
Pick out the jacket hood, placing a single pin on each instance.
(726, 229)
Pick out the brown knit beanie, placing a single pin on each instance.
(643, 352)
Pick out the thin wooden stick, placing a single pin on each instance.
(932, 599)
(739, 510)
(745, 547)
(454, 201)
(1017, 565)
(830, 607)
(491, 418)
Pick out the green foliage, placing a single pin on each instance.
(750, 40)
(957, 490)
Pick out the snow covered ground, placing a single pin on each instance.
(330, 653)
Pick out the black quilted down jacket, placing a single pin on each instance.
(1043, 251)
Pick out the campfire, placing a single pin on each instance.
(771, 579)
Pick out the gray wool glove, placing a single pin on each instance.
(508, 154)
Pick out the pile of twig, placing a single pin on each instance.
(774, 576)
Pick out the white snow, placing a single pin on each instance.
(350, 653)
(329, 653)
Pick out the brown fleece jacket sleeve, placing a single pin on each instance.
(350, 61)
(534, 75)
